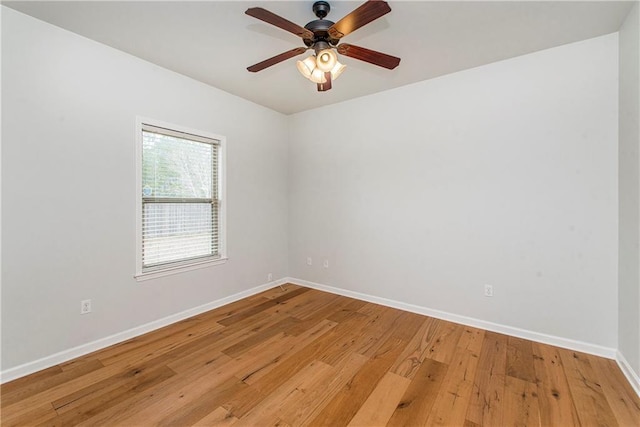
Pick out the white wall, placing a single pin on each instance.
(629, 231)
(68, 179)
(504, 174)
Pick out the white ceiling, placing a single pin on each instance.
(214, 41)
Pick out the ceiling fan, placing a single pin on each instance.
(322, 36)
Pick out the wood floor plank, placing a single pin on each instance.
(520, 403)
(219, 417)
(195, 360)
(110, 387)
(21, 408)
(183, 361)
(287, 393)
(48, 395)
(185, 358)
(49, 382)
(299, 356)
(442, 347)
(351, 341)
(453, 400)
(520, 359)
(240, 347)
(28, 415)
(159, 402)
(313, 400)
(557, 407)
(299, 305)
(382, 402)
(243, 401)
(307, 304)
(471, 340)
(486, 404)
(416, 351)
(406, 325)
(162, 396)
(252, 310)
(262, 357)
(589, 399)
(303, 357)
(88, 407)
(416, 403)
(618, 392)
(259, 370)
(383, 323)
(346, 311)
(325, 310)
(198, 407)
(344, 405)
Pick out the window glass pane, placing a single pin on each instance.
(176, 167)
(178, 231)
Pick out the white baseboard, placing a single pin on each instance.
(81, 350)
(628, 372)
(609, 353)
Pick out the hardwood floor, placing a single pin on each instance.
(305, 357)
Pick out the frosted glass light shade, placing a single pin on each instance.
(307, 66)
(326, 60)
(317, 76)
(337, 70)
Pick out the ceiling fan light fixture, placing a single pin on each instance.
(326, 60)
(307, 66)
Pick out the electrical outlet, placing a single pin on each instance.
(488, 290)
(85, 306)
(269, 277)
(325, 264)
(309, 261)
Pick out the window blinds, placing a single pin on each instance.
(180, 203)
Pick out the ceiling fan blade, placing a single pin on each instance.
(323, 87)
(278, 21)
(276, 59)
(368, 55)
(365, 13)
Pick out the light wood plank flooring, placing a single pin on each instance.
(305, 357)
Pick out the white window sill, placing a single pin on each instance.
(140, 277)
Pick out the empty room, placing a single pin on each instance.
(322, 213)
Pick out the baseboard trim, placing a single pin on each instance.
(628, 372)
(66, 355)
(609, 353)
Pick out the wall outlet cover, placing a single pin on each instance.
(85, 306)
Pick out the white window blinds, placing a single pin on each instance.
(180, 198)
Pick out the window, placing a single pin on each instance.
(180, 199)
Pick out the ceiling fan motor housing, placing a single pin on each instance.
(320, 26)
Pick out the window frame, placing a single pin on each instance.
(192, 264)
